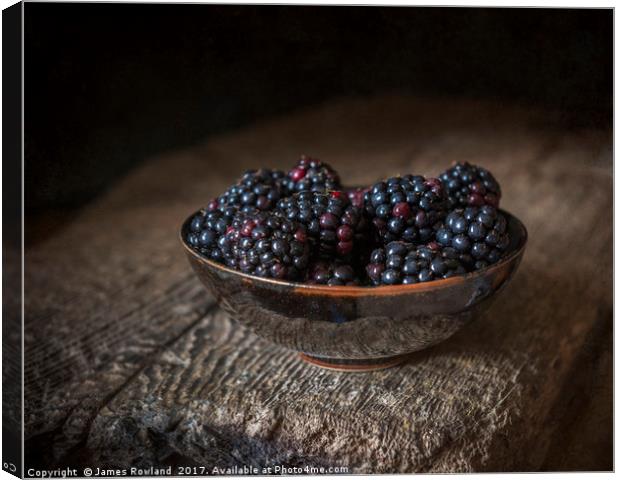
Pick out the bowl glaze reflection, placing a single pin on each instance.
(356, 328)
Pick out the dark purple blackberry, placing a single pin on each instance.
(314, 175)
(404, 263)
(336, 226)
(405, 208)
(256, 188)
(470, 185)
(266, 245)
(208, 226)
(334, 272)
(476, 232)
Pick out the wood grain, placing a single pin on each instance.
(131, 363)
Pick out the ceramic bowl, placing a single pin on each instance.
(357, 328)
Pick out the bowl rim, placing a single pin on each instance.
(355, 290)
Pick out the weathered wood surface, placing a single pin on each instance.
(129, 362)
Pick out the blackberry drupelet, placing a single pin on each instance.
(266, 245)
(356, 196)
(260, 188)
(478, 233)
(336, 227)
(470, 185)
(312, 174)
(332, 272)
(405, 208)
(404, 263)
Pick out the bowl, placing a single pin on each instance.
(355, 328)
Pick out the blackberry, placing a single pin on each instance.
(312, 174)
(256, 188)
(208, 226)
(470, 185)
(266, 245)
(332, 272)
(335, 226)
(475, 232)
(404, 263)
(405, 208)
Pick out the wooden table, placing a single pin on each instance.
(130, 362)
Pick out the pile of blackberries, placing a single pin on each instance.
(305, 226)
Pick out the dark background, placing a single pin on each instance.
(108, 85)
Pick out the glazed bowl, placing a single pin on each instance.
(356, 328)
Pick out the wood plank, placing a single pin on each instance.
(130, 360)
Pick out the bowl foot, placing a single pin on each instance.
(357, 365)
